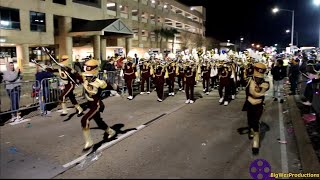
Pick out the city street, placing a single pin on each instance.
(170, 139)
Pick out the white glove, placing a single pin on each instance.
(264, 85)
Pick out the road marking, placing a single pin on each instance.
(283, 147)
(154, 119)
(60, 110)
(105, 146)
(120, 138)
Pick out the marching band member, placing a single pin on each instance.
(171, 77)
(233, 80)
(145, 70)
(205, 71)
(180, 72)
(190, 81)
(249, 71)
(93, 88)
(224, 84)
(129, 76)
(255, 91)
(69, 85)
(214, 75)
(159, 81)
(242, 77)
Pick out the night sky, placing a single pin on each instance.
(254, 20)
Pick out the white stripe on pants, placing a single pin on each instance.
(278, 89)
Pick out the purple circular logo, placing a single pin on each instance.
(260, 169)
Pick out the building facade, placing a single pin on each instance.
(97, 28)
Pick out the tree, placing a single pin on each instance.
(187, 40)
(166, 34)
(159, 33)
(211, 43)
(172, 34)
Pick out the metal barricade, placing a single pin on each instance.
(15, 97)
(49, 92)
(113, 77)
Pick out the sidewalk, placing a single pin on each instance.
(307, 136)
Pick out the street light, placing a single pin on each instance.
(252, 44)
(258, 46)
(275, 10)
(275, 45)
(287, 31)
(241, 41)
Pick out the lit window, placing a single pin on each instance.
(112, 6)
(37, 21)
(9, 18)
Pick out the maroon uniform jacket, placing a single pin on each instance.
(129, 71)
(190, 76)
(224, 75)
(145, 71)
(159, 75)
(172, 72)
(206, 72)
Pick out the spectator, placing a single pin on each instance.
(279, 73)
(12, 78)
(136, 59)
(303, 65)
(110, 66)
(312, 74)
(294, 76)
(77, 66)
(44, 92)
(1, 77)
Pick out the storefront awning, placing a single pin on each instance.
(101, 27)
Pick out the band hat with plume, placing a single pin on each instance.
(171, 56)
(146, 56)
(223, 57)
(259, 70)
(230, 53)
(216, 57)
(160, 56)
(185, 57)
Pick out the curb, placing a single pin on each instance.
(308, 157)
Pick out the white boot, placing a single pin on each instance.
(226, 103)
(188, 101)
(87, 139)
(233, 97)
(191, 102)
(79, 109)
(111, 132)
(220, 100)
(64, 109)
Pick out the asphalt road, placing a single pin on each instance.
(172, 140)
